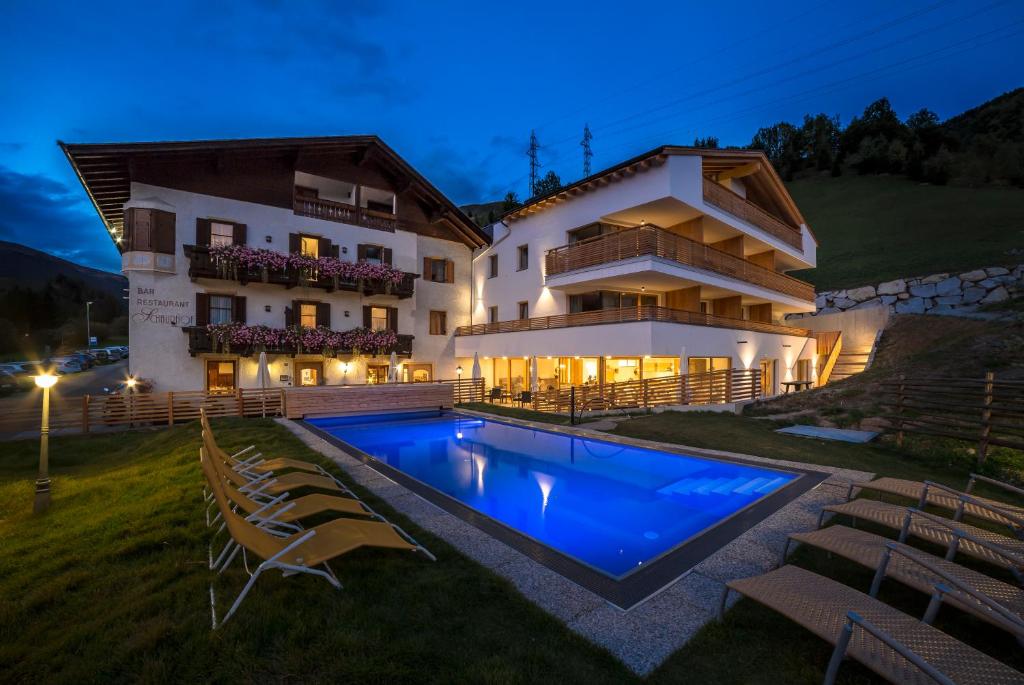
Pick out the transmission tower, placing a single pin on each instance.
(534, 162)
(587, 152)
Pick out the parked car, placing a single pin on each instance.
(124, 351)
(114, 353)
(89, 356)
(64, 365)
(143, 386)
(8, 382)
(84, 360)
(102, 356)
(23, 375)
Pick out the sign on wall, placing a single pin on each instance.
(152, 309)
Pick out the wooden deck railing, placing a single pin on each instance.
(628, 315)
(201, 264)
(986, 411)
(345, 213)
(200, 340)
(737, 205)
(654, 241)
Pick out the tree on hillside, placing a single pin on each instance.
(510, 202)
(710, 142)
(549, 184)
(820, 135)
(781, 143)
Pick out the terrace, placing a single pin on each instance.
(201, 340)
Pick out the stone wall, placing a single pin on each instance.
(936, 294)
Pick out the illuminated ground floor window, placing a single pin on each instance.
(220, 375)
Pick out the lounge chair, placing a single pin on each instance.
(991, 600)
(303, 551)
(945, 497)
(956, 536)
(894, 645)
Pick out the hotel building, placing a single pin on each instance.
(669, 263)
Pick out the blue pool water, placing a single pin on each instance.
(610, 506)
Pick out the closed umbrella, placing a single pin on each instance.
(393, 368)
(477, 371)
(263, 379)
(533, 374)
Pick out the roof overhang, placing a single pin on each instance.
(105, 171)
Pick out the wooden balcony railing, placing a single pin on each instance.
(201, 264)
(345, 213)
(629, 315)
(726, 200)
(200, 340)
(652, 241)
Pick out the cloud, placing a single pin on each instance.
(43, 213)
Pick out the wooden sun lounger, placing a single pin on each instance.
(894, 645)
(957, 536)
(922, 571)
(946, 498)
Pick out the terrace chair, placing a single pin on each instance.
(956, 536)
(496, 395)
(989, 599)
(302, 551)
(525, 397)
(269, 484)
(254, 463)
(894, 645)
(944, 497)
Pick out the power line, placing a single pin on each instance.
(534, 162)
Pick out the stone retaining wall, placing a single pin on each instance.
(935, 294)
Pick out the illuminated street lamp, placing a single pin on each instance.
(129, 388)
(44, 381)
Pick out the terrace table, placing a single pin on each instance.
(795, 385)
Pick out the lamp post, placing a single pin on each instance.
(458, 385)
(44, 381)
(129, 389)
(88, 327)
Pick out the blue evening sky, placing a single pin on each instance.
(456, 87)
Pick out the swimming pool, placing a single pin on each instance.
(614, 508)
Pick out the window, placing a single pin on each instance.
(438, 323)
(418, 373)
(379, 318)
(309, 373)
(221, 309)
(524, 257)
(376, 373)
(220, 375)
(309, 246)
(373, 253)
(524, 310)
(705, 307)
(221, 234)
(492, 314)
(307, 315)
(439, 270)
(492, 262)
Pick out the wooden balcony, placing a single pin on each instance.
(201, 264)
(330, 210)
(629, 315)
(737, 205)
(651, 241)
(200, 340)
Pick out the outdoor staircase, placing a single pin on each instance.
(850, 363)
(722, 486)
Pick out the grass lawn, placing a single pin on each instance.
(112, 584)
(876, 228)
(516, 413)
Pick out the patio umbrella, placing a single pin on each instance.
(533, 374)
(393, 368)
(477, 372)
(263, 378)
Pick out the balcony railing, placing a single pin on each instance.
(200, 340)
(726, 200)
(629, 315)
(345, 213)
(201, 264)
(652, 241)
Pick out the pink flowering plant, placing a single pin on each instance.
(299, 339)
(235, 257)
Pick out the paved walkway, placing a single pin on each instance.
(645, 635)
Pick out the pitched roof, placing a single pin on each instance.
(106, 170)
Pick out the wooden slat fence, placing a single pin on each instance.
(986, 411)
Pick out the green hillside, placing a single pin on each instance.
(875, 228)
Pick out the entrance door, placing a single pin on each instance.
(768, 377)
(220, 375)
(309, 373)
(419, 373)
(376, 373)
(708, 379)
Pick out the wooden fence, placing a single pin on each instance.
(985, 411)
(345, 399)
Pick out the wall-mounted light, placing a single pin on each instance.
(786, 345)
(344, 249)
(741, 342)
(346, 314)
(266, 307)
(269, 238)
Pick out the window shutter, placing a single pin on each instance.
(360, 253)
(393, 318)
(449, 271)
(289, 317)
(387, 256)
(238, 309)
(202, 309)
(336, 251)
(367, 316)
(294, 244)
(163, 231)
(324, 247)
(426, 268)
(239, 234)
(138, 238)
(203, 232)
(323, 314)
